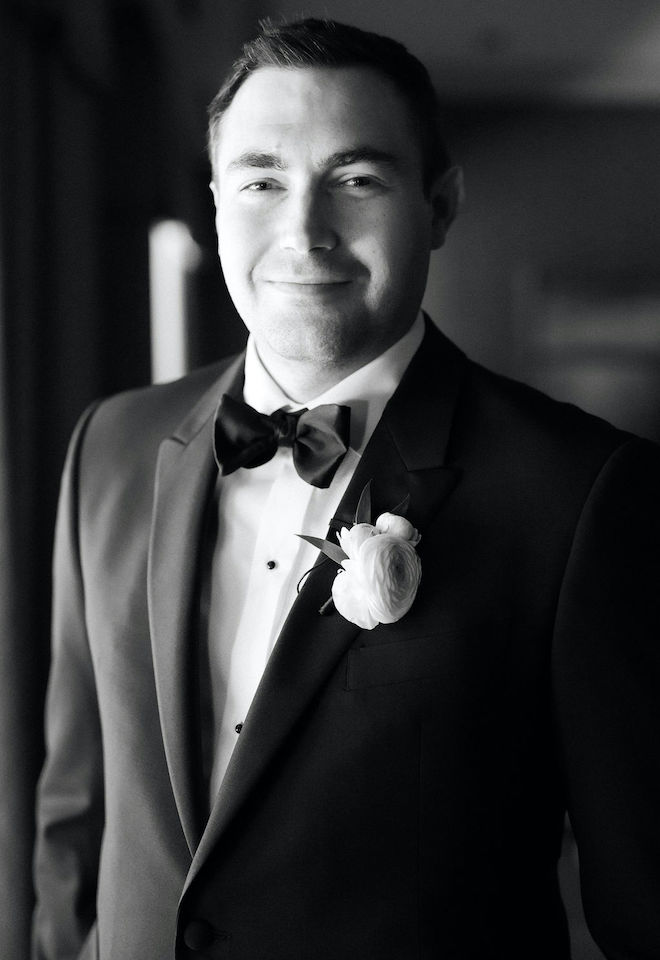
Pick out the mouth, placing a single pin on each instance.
(308, 288)
(311, 282)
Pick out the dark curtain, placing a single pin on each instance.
(79, 186)
(19, 688)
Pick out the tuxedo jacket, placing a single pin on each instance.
(396, 793)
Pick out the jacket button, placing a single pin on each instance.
(198, 935)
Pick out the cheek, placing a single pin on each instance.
(393, 231)
(385, 245)
(398, 262)
(239, 245)
(409, 238)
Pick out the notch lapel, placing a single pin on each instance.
(185, 474)
(405, 455)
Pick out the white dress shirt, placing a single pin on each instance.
(258, 560)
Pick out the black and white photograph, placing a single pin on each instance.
(329, 480)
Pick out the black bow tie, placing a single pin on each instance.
(246, 438)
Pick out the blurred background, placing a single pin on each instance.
(109, 278)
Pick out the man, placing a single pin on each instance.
(237, 769)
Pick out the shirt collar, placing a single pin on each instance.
(366, 390)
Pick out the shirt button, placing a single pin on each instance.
(271, 564)
(238, 727)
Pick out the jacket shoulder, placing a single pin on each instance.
(158, 406)
(122, 433)
(523, 423)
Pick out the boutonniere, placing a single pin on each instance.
(379, 570)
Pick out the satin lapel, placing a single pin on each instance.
(185, 474)
(405, 455)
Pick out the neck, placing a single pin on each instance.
(303, 381)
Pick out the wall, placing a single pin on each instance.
(560, 204)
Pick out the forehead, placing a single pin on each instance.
(324, 108)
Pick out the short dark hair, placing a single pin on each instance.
(326, 43)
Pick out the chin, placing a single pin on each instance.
(314, 340)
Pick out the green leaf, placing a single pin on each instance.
(363, 509)
(330, 549)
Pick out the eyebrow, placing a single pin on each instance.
(252, 158)
(342, 158)
(345, 158)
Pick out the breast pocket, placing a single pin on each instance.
(462, 658)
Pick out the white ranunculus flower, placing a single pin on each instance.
(380, 577)
(351, 540)
(349, 595)
(398, 526)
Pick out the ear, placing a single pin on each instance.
(446, 196)
(214, 191)
(216, 202)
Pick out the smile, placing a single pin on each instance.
(318, 289)
(308, 283)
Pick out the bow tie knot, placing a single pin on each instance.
(286, 425)
(243, 437)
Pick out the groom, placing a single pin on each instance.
(250, 760)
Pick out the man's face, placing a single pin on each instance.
(324, 228)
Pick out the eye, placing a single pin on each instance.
(358, 181)
(257, 186)
(361, 184)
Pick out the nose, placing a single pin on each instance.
(307, 222)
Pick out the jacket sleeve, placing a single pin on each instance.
(606, 672)
(70, 796)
